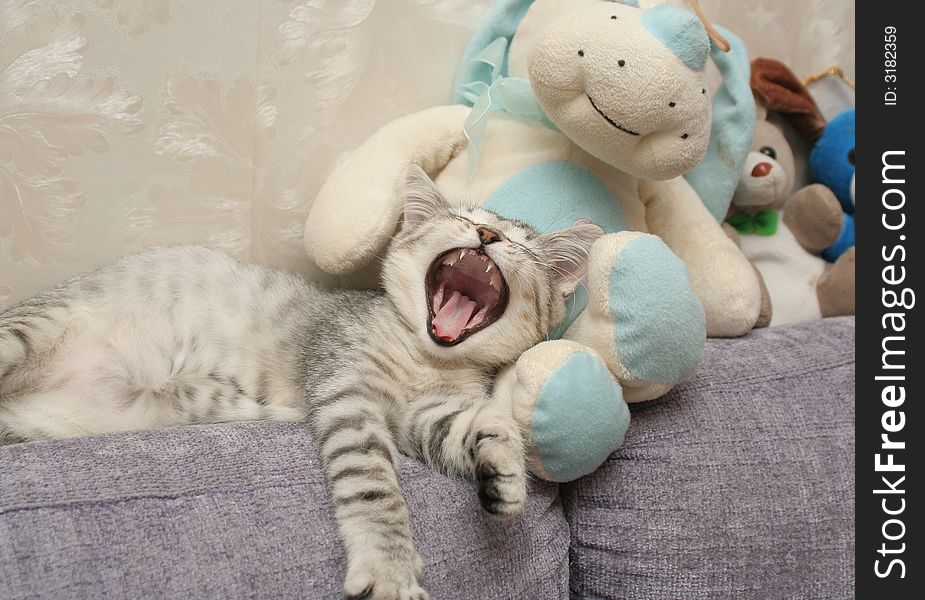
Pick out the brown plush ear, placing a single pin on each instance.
(775, 86)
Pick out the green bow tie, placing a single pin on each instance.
(763, 223)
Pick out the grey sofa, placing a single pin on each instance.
(738, 484)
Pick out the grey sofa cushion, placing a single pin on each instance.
(738, 484)
(239, 511)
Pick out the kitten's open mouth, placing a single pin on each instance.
(609, 120)
(466, 293)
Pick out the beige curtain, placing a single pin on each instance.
(127, 123)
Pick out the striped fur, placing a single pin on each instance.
(188, 335)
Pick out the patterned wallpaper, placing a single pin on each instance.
(127, 123)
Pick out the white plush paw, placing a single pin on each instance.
(573, 408)
(643, 317)
(384, 580)
(501, 474)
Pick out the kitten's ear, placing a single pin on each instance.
(423, 201)
(567, 251)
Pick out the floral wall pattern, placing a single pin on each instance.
(128, 123)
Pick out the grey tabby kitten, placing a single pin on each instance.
(188, 335)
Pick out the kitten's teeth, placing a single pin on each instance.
(495, 283)
(462, 254)
(488, 268)
(438, 298)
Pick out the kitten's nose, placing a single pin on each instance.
(488, 236)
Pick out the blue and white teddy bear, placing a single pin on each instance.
(596, 110)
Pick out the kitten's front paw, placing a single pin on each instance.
(384, 580)
(502, 477)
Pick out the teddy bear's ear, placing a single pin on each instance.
(423, 201)
(777, 88)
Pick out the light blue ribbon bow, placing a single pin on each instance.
(513, 95)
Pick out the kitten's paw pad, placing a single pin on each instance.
(378, 581)
(502, 488)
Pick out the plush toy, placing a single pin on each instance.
(605, 106)
(800, 285)
(832, 164)
(831, 159)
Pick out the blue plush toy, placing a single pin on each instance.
(578, 111)
(832, 164)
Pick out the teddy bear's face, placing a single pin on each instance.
(767, 178)
(621, 94)
(832, 158)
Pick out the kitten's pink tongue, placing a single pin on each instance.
(452, 318)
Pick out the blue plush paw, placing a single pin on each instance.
(659, 323)
(579, 418)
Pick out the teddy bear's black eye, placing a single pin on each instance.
(684, 136)
(769, 151)
(613, 17)
(581, 53)
(851, 156)
(672, 104)
(621, 62)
